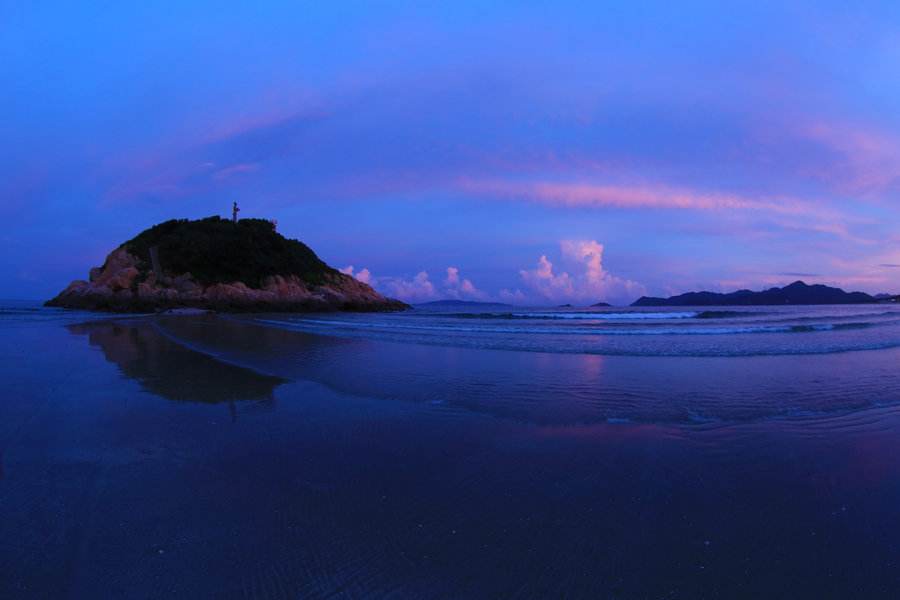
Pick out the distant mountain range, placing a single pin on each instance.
(795, 293)
(462, 304)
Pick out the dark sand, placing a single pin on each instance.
(132, 466)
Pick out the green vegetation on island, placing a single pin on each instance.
(216, 250)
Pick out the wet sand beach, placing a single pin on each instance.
(218, 457)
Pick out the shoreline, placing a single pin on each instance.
(497, 382)
(361, 467)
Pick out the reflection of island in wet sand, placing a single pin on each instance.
(170, 370)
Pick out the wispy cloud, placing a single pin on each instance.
(625, 196)
(785, 212)
(233, 170)
(865, 160)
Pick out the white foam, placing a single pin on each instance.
(608, 316)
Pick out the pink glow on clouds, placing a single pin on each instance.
(585, 280)
(461, 288)
(420, 288)
(592, 284)
(590, 253)
(234, 170)
(624, 196)
(785, 212)
(541, 284)
(363, 275)
(870, 158)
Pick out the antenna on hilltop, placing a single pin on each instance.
(234, 211)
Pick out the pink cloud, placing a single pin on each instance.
(233, 170)
(869, 159)
(420, 288)
(592, 284)
(590, 253)
(588, 283)
(513, 296)
(786, 212)
(362, 275)
(417, 289)
(625, 196)
(460, 288)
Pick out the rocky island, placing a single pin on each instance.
(218, 264)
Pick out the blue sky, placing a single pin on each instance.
(533, 152)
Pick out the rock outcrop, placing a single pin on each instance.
(128, 283)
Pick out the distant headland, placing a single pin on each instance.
(795, 293)
(452, 303)
(218, 264)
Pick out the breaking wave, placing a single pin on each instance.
(675, 332)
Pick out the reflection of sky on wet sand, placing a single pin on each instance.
(171, 370)
(109, 490)
(552, 388)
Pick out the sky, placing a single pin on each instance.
(526, 152)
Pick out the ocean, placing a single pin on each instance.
(726, 452)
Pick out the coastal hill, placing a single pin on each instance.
(795, 293)
(218, 264)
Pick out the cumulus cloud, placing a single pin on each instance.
(420, 288)
(587, 282)
(545, 282)
(362, 275)
(452, 276)
(460, 288)
(589, 253)
(513, 296)
(591, 283)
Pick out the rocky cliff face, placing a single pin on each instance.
(126, 284)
